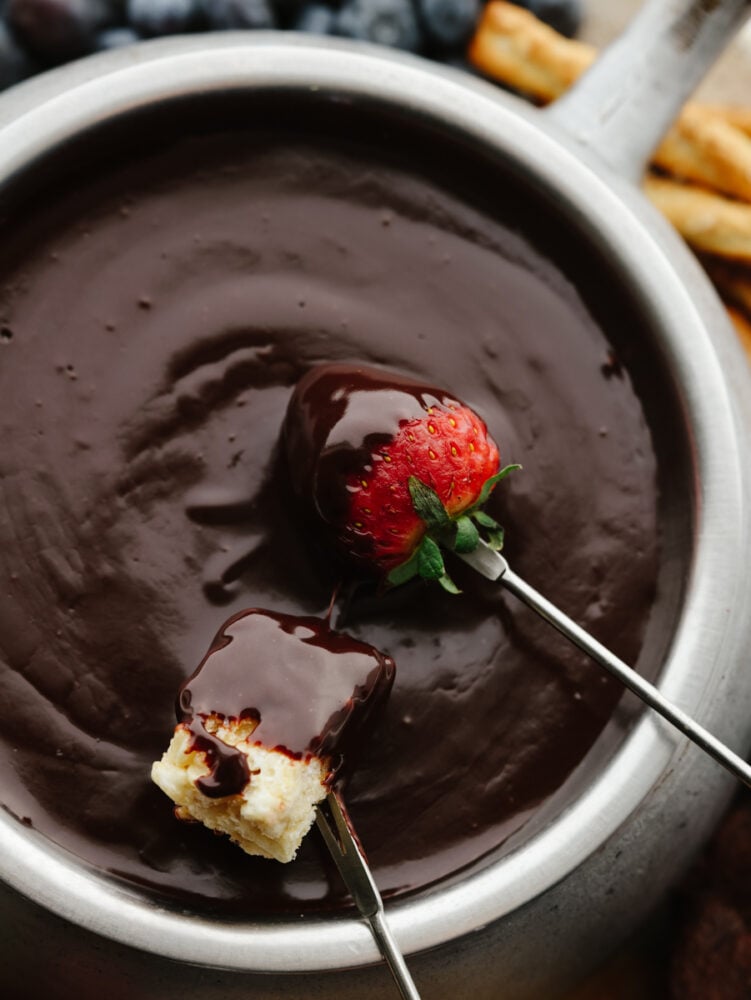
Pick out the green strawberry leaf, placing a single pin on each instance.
(460, 534)
(448, 584)
(495, 538)
(487, 486)
(428, 504)
(494, 533)
(429, 560)
(485, 520)
(467, 536)
(404, 571)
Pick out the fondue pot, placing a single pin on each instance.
(526, 923)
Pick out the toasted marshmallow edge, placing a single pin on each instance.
(274, 811)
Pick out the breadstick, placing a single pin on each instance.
(735, 114)
(512, 46)
(704, 147)
(710, 223)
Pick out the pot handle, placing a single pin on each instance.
(623, 106)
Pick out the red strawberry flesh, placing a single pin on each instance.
(356, 435)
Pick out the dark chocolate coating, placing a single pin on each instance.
(338, 416)
(311, 690)
(157, 319)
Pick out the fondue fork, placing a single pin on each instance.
(343, 845)
(493, 566)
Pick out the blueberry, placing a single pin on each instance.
(385, 22)
(316, 19)
(449, 23)
(14, 63)
(563, 15)
(56, 30)
(224, 14)
(163, 17)
(115, 38)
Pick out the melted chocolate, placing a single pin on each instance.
(161, 315)
(338, 416)
(311, 690)
(228, 768)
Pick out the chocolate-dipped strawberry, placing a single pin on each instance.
(394, 468)
(264, 725)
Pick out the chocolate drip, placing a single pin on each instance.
(228, 773)
(311, 690)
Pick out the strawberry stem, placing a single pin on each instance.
(457, 534)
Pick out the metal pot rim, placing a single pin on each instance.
(36, 117)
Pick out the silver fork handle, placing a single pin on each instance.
(495, 567)
(342, 842)
(621, 108)
(392, 955)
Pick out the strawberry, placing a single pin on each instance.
(396, 469)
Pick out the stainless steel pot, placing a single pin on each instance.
(526, 925)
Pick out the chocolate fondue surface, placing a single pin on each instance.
(156, 316)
